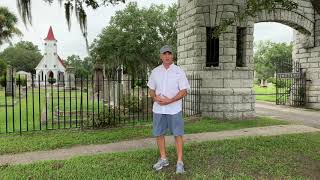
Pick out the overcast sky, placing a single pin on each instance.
(72, 42)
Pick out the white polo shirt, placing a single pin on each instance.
(168, 82)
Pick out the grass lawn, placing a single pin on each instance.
(10, 117)
(32, 106)
(265, 90)
(277, 157)
(45, 140)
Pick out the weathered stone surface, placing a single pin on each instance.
(232, 99)
(227, 90)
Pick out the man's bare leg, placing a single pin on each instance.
(162, 146)
(179, 147)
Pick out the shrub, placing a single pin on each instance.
(22, 81)
(2, 81)
(272, 80)
(141, 83)
(132, 103)
(52, 80)
(257, 81)
(106, 119)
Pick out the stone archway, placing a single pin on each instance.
(227, 85)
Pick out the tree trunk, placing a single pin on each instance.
(264, 83)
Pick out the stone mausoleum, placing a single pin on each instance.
(226, 65)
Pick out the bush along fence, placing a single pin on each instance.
(48, 103)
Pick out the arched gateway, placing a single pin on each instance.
(225, 64)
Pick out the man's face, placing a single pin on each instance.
(167, 58)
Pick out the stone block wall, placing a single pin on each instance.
(227, 91)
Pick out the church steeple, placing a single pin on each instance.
(50, 45)
(50, 36)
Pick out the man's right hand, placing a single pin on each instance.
(157, 99)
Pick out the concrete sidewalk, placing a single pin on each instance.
(292, 114)
(60, 154)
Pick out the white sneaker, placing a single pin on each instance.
(160, 164)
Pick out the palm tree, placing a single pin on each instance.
(8, 22)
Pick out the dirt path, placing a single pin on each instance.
(60, 154)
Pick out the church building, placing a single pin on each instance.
(51, 65)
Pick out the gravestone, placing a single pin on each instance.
(118, 87)
(126, 84)
(98, 77)
(11, 83)
(70, 78)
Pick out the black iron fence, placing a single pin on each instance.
(291, 86)
(41, 103)
(288, 85)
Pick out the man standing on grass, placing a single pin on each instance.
(168, 84)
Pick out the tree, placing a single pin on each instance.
(25, 52)
(8, 22)
(134, 36)
(268, 57)
(82, 68)
(3, 67)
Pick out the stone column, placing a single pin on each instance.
(311, 61)
(226, 91)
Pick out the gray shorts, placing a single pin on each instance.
(162, 122)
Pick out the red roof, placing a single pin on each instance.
(50, 36)
(62, 62)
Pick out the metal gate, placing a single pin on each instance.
(290, 84)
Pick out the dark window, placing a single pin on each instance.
(212, 58)
(241, 34)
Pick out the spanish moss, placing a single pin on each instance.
(24, 8)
